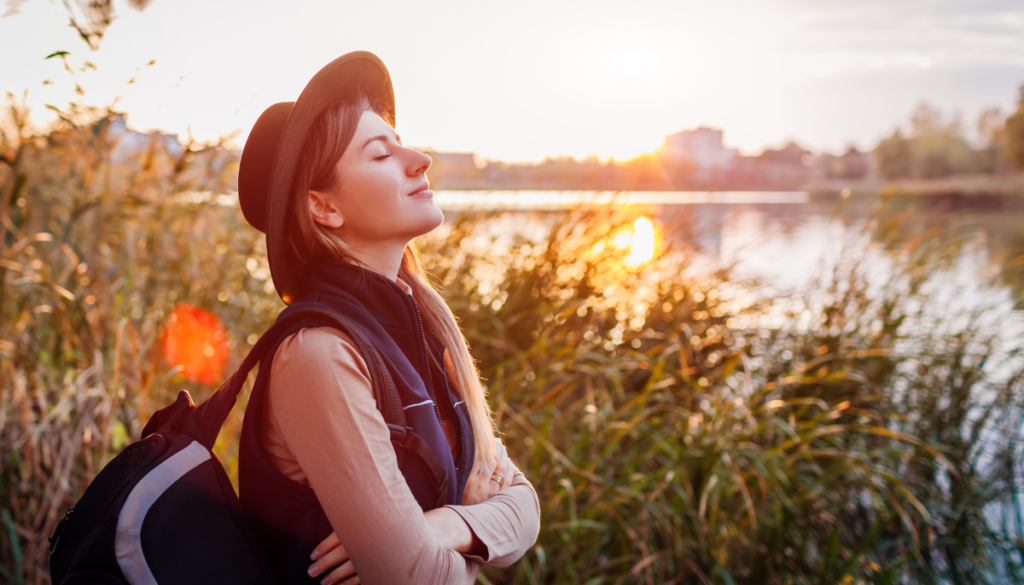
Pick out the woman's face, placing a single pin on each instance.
(382, 195)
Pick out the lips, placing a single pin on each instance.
(422, 191)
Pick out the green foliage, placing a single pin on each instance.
(894, 157)
(933, 149)
(679, 424)
(991, 157)
(1015, 134)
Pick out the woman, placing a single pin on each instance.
(341, 200)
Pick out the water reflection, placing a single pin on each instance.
(785, 236)
(642, 243)
(640, 240)
(521, 199)
(794, 238)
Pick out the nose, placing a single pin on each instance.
(419, 162)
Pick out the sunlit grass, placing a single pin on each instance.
(680, 424)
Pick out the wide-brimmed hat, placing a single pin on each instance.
(271, 153)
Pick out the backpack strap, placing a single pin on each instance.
(206, 419)
(406, 441)
(203, 422)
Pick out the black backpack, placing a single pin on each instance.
(163, 510)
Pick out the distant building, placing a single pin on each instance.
(704, 147)
(211, 167)
(852, 165)
(130, 142)
(456, 170)
(458, 160)
(792, 154)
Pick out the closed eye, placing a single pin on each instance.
(381, 157)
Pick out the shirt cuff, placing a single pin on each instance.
(507, 524)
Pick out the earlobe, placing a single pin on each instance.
(323, 212)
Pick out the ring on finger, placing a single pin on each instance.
(497, 478)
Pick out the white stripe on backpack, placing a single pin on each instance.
(127, 540)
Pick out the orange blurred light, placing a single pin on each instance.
(194, 339)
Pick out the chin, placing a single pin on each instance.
(429, 221)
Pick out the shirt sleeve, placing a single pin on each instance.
(322, 400)
(507, 523)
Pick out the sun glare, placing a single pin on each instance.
(623, 239)
(641, 244)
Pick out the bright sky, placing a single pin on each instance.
(537, 78)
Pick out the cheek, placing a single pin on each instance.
(370, 190)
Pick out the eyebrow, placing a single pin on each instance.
(382, 138)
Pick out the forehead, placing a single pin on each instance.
(371, 124)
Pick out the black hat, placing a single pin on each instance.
(267, 168)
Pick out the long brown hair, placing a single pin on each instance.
(317, 170)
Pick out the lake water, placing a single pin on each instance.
(787, 238)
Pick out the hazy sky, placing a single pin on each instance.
(529, 79)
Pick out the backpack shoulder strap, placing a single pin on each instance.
(206, 419)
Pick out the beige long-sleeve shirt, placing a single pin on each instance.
(324, 430)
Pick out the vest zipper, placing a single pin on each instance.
(458, 419)
(426, 357)
(429, 382)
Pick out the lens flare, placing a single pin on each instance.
(194, 340)
(641, 244)
(623, 239)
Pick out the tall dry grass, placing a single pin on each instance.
(681, 425)
(686, 429)
(103, 232)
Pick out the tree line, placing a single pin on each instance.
(934, 147)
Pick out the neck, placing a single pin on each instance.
(383, 258)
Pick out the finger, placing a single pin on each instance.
(498, 476)
(509, 475)
(500, 452)
(327, 544)
(340, 574)
(493, 485)
(332, 558)
(487, 470)
(505, 471)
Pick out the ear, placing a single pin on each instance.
(323, 211)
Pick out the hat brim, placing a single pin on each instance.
(359, 71)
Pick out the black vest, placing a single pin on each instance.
(289, 519)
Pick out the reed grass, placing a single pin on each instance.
(680, 424)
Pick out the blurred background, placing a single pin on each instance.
(745, 280)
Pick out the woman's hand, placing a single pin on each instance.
(482, 484)
(330, 553)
